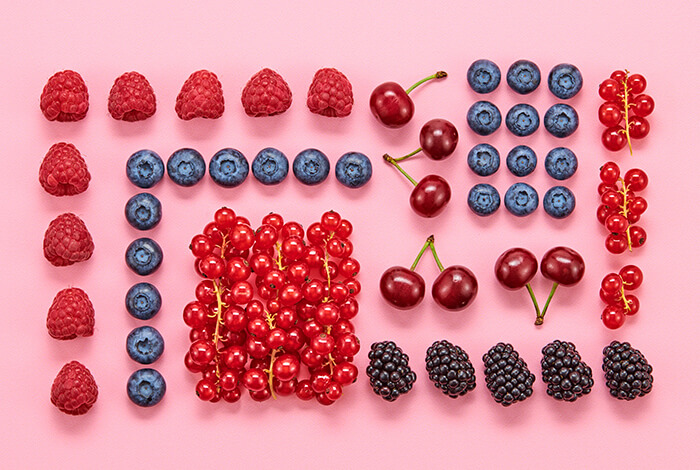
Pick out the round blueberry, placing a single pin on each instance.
(483, 199)
(146, 387)
(565, 81)
(143, 211)
(521, 160)
(521, 199)
(186, 167)
(143, 301)
(484, 159)
(270, 166)
(523, 76)
(144, 256)
(484, 117)
(145, 168)
(353, 169)
(311, 167)
(144, 344)
(561, 120)
(483, 76)
(228, 168)
(559, 202)
(522, 120)
(560, 163)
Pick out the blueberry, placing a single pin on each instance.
(559, 202)
(483, 159)
(565, 81)
(522, 120)
(483, 199)
(560, 163)
(521, 160)
(353, 169)
(143, 301)
(270, 166)
(523, 77)
(186, 167)
(483, 76)
(143, 211)
(144, 344)
(311, 167)
(146, 387)
(561, 120)
(228, 168)
(145, 168)
(521, 199)
(484, 117)
(144, 256)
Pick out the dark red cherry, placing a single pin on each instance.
(438, 139)
(430, 196)
(391, 105)
(455, 288)
(515, 268)
(563, 266)
(402, 287)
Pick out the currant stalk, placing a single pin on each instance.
(625, 101)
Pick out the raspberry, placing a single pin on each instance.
(200, 96)
(266, 94)
(65, 97)
(71, 314)
(74, 390)
(330, 94)
(63, 172)
(67, 240)
(131, 98)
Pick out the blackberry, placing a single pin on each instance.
(627, 372)
(507, 376)
(450, 369)
(389, 373)
(566, 375)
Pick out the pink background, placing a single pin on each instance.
(370, 42)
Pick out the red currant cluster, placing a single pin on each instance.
(623, 97)
(612, 292)
(620, 208)
(296, 308)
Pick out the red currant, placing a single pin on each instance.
(258, 328)
(636, 83)
(316, 234)
(611, 199)
(286, 318)
(353, 285)
(602, 213)
(616, 223)
(255, 348)
(348, 309)
(609, 297)
(202, 352)
(284, 389)
(276, 338)
(286, 367)
(195, 315)
(637, 205)
(344, 229)
(206, 390)
(613, 317)
(298, 273)
(201, 246)
(225, 219)
(643, 105)
(314, 290)
(609, 89)
(311, 328)
(213, 232)
(311, 358)
(327, 314)
(638, 236)
(632, 276)
(614, 138)
(228, 380)
(609, 114)
(234, 357)
(231, 396)
(348, 344)
(636, 179)
(261, 264)
(333, 391)
(254, 380)
(212, 266)
(295, 340)
(290, 294)
(265, 236)
(205, 292)
(293, 248)
(616, 243)
(261, 395)
(191, 365)
(275, 279)
(609, 173)
(237, 269)
(330, 221)
(242, 292)
(273, 219)
(639, 127)
(304, 390)
(345, 373)
(242, 237)
(254, 309)
(619, 76)
(611, 283)
(322, 344)
(320, 380)
(632, 305)
(291, 229)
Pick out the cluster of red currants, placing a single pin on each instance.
(624, 100)
(612, 292)
(620, 208)
(270, 304)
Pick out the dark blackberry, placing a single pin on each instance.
(450, 369)
(507, 376)
(566, 375)
(627, 372)
(388, 371)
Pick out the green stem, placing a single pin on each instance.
(437, 260)
(534, 299)
(422, 250)
(391, 160)
(439, 74)
(408, 156)
(540, 317)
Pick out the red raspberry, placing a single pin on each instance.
(131, 98)
(65, 97)
(74, 390)
(71, 314)
(201, 96)
(67, 241)
(63, 172)
(266, 94)
(330, 94)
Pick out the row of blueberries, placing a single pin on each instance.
(560, 120)
(521, 200)
(560, 163)
(523, 77)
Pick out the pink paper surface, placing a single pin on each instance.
(370, 42)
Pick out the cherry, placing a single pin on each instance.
(391, 105)
(456, 287)
(429, 196)
(515, 268)
(404, 288)
(563, 266)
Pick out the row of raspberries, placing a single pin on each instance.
(65, 96)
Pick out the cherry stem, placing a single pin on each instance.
(422, 250)
(392, 160)
(439, 74)
(408, 156)
(534, 299)
(540, 316)
(627, 111)
(435, 255)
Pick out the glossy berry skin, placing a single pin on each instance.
(270, 166)
(438, 139)
(559, 202)
(523, 77)
(391, 105)
(145, 168)
(455, 288)
(430, 196)
(639, 127)
(228, 168)
(613, 138)
(401, 287)
(631, 276)
(484, 118)
(186, 167)
(353, 170)
(522, 120)
(561, 120)
(483, 76)
(484, 159)
(561, 163)
(311, 167)
(144, 344)
(521, 199)
(643, 105)
(144, 256)
(521, 160)
(483, 199)
(636, 83)
(563, 266)
(609, 114)
(565, 81)
(609, 89)
(143, 301)
(515, 268)
(143, 211)
(146, 387)
(613, 317)
(636, 179)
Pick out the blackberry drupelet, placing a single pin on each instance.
(566, 375)
(507, 376)
(389, 373)
(627, 372)
(450, 369)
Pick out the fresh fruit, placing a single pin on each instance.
(201, 96)
(614, 291)
(521, 160)
(484, 159)
(143, 301)
(561, 120)
(391, 105)
(404, 288)
(566, 375)
(627, 371)
(143, 211)
(559, 202)
(523, 76)
(71, 315)
(330, 94)
(522, 120)
(456, 287)
(270, 166)
(483, 76)
(67, 241)
(144, 256)
(146, 387)
(64, 97)
(438, 140)
(483, 199)
(74, 390)
(514, 270)
(266, 94)
(390, 375)
(144, 344)
(429, 196)
(521, 199)
(131, 98)
(311, 167)
(562, 266)
(484, 118)
(228, 168)
(353, 170)
(450, 369)
(507, 376)
(186, 167)
(63, 171)
(565, 81)
(145, 168)
(560, 163)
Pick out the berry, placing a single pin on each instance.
(74, 390)
(484, 118)
(636, 179)
(636, 83)
(455, 288)
(438, 139)
(523, 77)
(71, 315)
(521, 160)
(401, 287)
(613, 317)
(560, 163)
(632, 276)
(311, 167)
(521, 199)
(145, 168)
(430, 196)
(63, 171)
(389, 374)
(522, 120)
(201, 96)
(144, 344)
(609, 173)
(609, 89)
(143, 301)
(270, 166)
(515, 268)
(483, 199)
(186, 167)
(131, 98)
(391, 105)
(450, 369)
(67, 241)
(563, 266)
(609, 114)
(643, 105)
(353, 170)
(145, 387)
(566, 375)
(561, 120)
(330, 94)
(483, 159)
(144, 256)
(627, 371)
(507, 376)
(266, 94)
(64, 97)
(143, 211)
(228, 168)
(565, 81)
(483, 76)
(559, 202)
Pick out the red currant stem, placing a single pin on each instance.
(624, 299)
(278, 258)
(625, 101)
(408, 155)
(328, 272)
(392, 160)
(625, 211)
(435, 255)
(439, 74)
(330, 363)
(217, 337)
(540, 317)
(422, 250)
(270, 375)
(534, 299)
